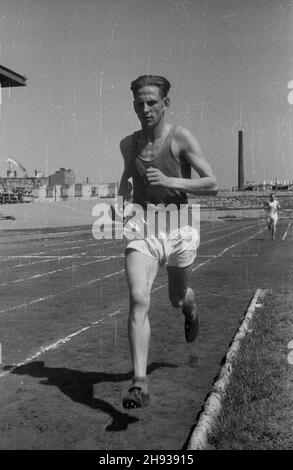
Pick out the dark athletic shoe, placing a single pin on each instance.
(191, 325)
(136, 398)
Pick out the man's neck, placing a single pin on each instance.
(150, 135)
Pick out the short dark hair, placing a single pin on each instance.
(151, 80)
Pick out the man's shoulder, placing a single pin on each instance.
(186, 141)
(183, 135)
(126, 141)
(182, 132)
(126, 148)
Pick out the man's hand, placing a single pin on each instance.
(116, 212)
(155, 177)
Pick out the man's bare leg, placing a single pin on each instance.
(141, 271)
(181, 295)
(273, 231)
(269, 228)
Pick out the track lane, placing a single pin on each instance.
(82, 296)
(180, 374)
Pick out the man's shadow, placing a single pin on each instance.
(78, 386)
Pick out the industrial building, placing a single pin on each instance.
(61, 177)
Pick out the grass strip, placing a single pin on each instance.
(257, 412)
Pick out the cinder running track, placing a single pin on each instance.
(63, 331)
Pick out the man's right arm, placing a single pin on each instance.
(125, 148)
(125, 187)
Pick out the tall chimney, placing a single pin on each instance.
(240, 162)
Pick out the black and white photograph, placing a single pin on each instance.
(146, 227)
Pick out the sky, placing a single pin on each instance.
(229, 63)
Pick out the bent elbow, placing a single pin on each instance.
(211, 189)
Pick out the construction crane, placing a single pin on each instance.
(14, 162)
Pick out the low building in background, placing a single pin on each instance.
(23, 182)
(57, 187)
(107, 190)
(68, 191)
(83, 191)
(62, 177)
(39, 192)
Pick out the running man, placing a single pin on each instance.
(159, 158)
(272, 206)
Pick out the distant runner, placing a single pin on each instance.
(272, 206)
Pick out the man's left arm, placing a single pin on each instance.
(186, 145)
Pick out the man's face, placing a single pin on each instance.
(150, 106)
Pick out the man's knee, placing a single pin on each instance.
(139, 299)
(178, 297)
(177, 301)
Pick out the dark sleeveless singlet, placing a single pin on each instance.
(144, 193)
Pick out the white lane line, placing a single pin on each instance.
(50, 251)
(226, 235)
(36, 276)
(42, 236)
(69, 242)
(49, 258)
(49, 245)
(75, 255)
(50, 296)
(290, 354)
(52, 256)
(58, 343)
(45, 298)
(222, 229)
(227, 249)
(211, 258)
(4, 284)
(285, 234)
(199, 439)
(50, 273)
(57, 257)
(41, 253)
(245, 256)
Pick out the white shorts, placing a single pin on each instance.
(272, 219)
(178, 248)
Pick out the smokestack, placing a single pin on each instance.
(240, 162)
